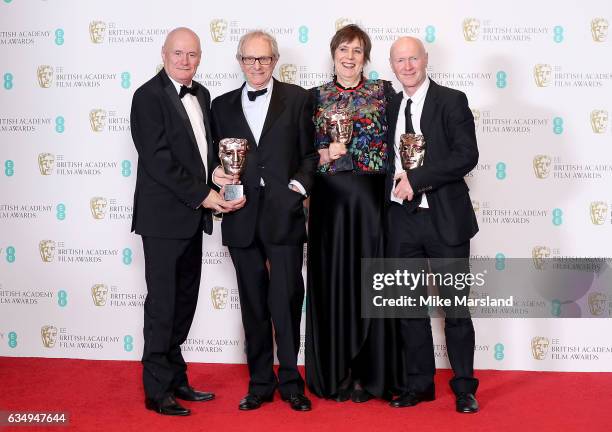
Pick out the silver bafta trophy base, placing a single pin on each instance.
(233, 156)
(412, 150)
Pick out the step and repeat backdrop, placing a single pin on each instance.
(538, 76)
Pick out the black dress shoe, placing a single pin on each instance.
(467, 403)
(361, 395)
(342, 395)
(188, 393)
(411, 398)
(166, 406)
(298, 402)
(252, 401)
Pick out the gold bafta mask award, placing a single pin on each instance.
(97, 119)
(541, 166)
(98, 294)
(218, 29)
(599, 211)
(412, 150)
(97, 205)
(597, 303)
(542, 74)
(539, 255)
(233, 156)
(288, 72)
(44, 73)
(599, 29)
(339, 124)
(97, 29)
(599, 121)
(218, 296)
(48, 334)
(46, 161)
(539, 347)
(470, 29)
(46, 248)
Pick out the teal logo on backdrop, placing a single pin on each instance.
(126, 168)
(303, 34)
(12, 337)
(558, 125)
(373, 75)
(430, 34)
(62, 298)
(60, 211)
(9, 168)
(557, 217)
(59, 124)
(558, 34)
(59, 36)
(500, 261)
(7, 1)
(127, 256)
(555, 308)
(10, 254)
(500, 170)
(125, 80)
(128, 343)
(498, 351)
(8, 81)
(502, 79)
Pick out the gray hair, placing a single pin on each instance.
(257, 34)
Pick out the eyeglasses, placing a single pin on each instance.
(264, 61)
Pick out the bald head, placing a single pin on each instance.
(408, 60)
(181, 54)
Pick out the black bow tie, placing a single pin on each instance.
(253, 94)
(193, 90)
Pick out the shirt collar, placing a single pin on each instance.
(177, 85)
(247, 87)
(420, 94)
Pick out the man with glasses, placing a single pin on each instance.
(276, 120)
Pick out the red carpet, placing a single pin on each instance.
(107, 396)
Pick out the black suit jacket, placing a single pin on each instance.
(285, 151)
(448, 126)
(172, 181)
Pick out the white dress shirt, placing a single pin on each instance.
(196, 118)
(255, 113)
(416, 109)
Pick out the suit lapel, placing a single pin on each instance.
(392, 125)
(429, 109)
(204, 106)
(275, 109)
(178, 105)
(241, 121)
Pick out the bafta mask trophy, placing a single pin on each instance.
(339, 124)
(412, 150)
(233, 155)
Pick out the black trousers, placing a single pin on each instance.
(411, 234)
(172, 271)
(270, 299)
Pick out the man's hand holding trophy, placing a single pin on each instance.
(233, 156)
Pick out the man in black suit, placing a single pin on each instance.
(430, 216)
(276, 119)
(170, 123)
